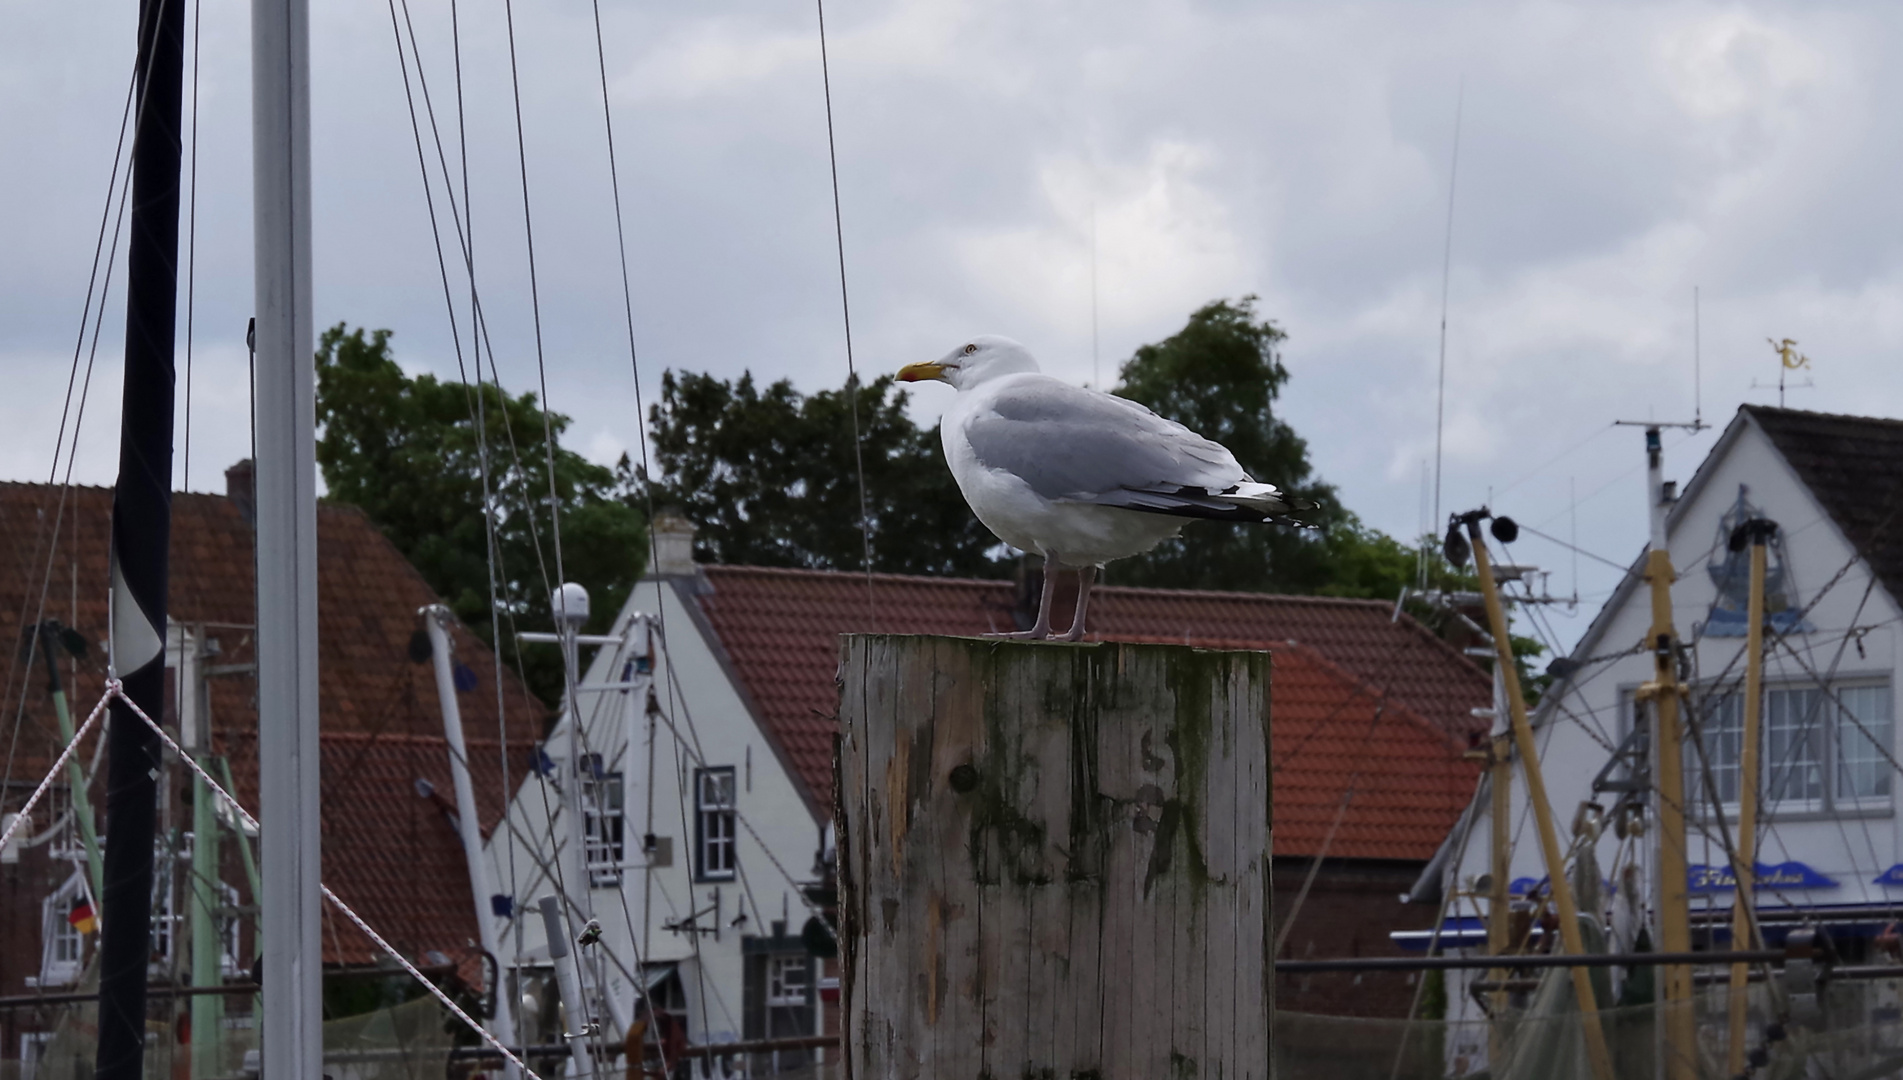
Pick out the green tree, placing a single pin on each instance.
(1220, 376)
(409, 450)
(769, 478)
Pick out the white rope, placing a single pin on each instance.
(113, 690)
(26, 812)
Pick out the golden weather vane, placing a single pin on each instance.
(1787, 352)
(1789, 359)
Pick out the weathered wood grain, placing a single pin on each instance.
(1056, 860)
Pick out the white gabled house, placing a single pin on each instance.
(697, 847)
(1829, 847)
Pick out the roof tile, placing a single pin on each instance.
(1341, 663)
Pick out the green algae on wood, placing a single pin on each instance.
(1059, 858)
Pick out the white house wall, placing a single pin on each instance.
(1588, 718)
(701, 718)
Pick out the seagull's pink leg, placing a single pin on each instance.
(1084, 577)
(1042, 628)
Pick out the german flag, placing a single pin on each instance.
(81, 918)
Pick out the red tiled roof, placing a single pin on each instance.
(779, 631)
(387, 852)
(1339, 747)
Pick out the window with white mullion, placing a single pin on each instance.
(604, 825)
(1864, 738)
(1821, 752)
(786, 980)
(1722, 730)
(1794, 738)
(714, 809)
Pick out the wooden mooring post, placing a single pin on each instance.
(1055, 860)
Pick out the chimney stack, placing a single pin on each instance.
(673, 546)
(241, 489)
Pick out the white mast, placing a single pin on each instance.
(286, 501)
(436, 621)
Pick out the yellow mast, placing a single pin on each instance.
(1743, 928)
(1573, 943)
(1665, 691)
(1500, 784)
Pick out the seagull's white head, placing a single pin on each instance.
(978, 360)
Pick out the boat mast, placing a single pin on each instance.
(1757, 533)
(1664, 691)
(436, 620)
(1500, 862)
(286, 504)
(141, 541)
(1562, 891)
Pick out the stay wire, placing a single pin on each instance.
(845, 312)
(535, 300)
(482, 341)
(479, 410)
(647, 487)
(23, 665)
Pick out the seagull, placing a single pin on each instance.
(1079, 476)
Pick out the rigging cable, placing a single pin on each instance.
(845, 312)
(497, 578)
(66, 483)
(535, 305)
(94, 285)
(647, 492)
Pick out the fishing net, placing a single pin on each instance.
(410, 1041)
(1858, 1037)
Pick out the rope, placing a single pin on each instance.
(25, 813)
(113, 690)
(845, 312)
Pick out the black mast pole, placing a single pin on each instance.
(141, 542)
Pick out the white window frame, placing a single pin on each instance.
(781, 994)
(33, 1047)
(604, 827)
(1824, 723)
(716, 840)
(55, 929)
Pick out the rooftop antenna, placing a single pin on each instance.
(1446, 265)
(1096, 370)
(1698, 408)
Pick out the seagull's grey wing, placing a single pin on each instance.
(1080, 445)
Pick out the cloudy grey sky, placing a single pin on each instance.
(1612, 158)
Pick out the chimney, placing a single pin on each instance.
(241, 489)
(673, 546)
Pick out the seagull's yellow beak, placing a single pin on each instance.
(927, 372)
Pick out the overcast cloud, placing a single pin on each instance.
(1612, 158)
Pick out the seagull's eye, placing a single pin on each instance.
(972, 348)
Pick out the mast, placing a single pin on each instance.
(436, 621)
(1499, 897)
(1596, 1050)
(194, 722)
(141, 541)
(1674, 892)
(286, 539)
(1743, 929)
(55, 639)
